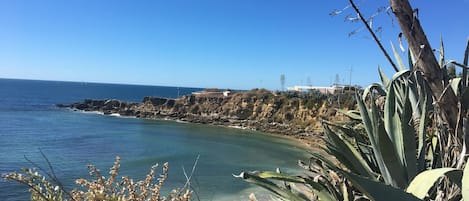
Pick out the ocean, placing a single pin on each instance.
(30, 122)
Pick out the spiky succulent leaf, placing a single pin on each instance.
(378, 191)
(411, 59)
(352, 114)
(465, 183)
(423, 182)
(270, 186)
(398, 58)
(384, 78)
(455, 83)
(408, 136)
(347, 154)
(375, 87)
(442, 53)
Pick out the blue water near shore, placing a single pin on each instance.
(29, 121)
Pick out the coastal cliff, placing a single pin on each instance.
(292, 114)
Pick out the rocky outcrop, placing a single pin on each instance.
(109, 106)
(260, 110)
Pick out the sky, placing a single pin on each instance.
(237, 44)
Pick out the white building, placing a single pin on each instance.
(325, 90)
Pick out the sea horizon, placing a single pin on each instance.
(115, 83)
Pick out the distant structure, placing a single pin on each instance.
(212, 92)
(333, 89)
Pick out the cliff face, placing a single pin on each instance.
(256, 109)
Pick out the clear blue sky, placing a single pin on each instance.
(238, 44)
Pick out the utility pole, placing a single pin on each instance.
(282, 81)
(350, 81)
(337, 79)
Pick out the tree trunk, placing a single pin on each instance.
(425, 59)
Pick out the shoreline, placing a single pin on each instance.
(255, 110)
(302, 141)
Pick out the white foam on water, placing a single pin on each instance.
(89, 112)
(115, 115)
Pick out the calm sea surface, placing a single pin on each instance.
(29, 121)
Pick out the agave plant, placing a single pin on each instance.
(411, 146)
(399, 149)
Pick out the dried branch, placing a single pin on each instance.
(374, 36)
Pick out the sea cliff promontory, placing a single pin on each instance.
(287, 113)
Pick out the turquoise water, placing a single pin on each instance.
(29, 121)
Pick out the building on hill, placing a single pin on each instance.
(212, 92)
(333, 89)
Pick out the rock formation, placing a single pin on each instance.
(258, 109)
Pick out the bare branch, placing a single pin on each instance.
(374, 36)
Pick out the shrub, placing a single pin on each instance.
(100, 188)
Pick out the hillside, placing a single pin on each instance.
(291, 114)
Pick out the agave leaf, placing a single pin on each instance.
(455, 177)
(411, 59)
(352, 114)
(384, 79)
(369, 90)
(398, 58)
(390, 114)
(322, 192)
(372, 137)
(345, 191)
(270, 186)
(347, 154)
(353, 133)
(418, 97)
(400, 74)
(393, 129)
(455, 82)
(442, 53)
(382, 147)
(395, 100)
(326, 161)
(434, 144)
(421, 136)
(465, 183)
(399, 81)
(366, 121)
(414, 97)
(333, 167)
(464, 66)
(408, 137)
(280, 176)
(395, 172)
(361, 144)
(465, 98)
(424, 181)
(465, 62)
(337, 153)
(378, 191)
(417, 94)
(319, 189)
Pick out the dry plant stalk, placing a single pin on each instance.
(100, 188)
